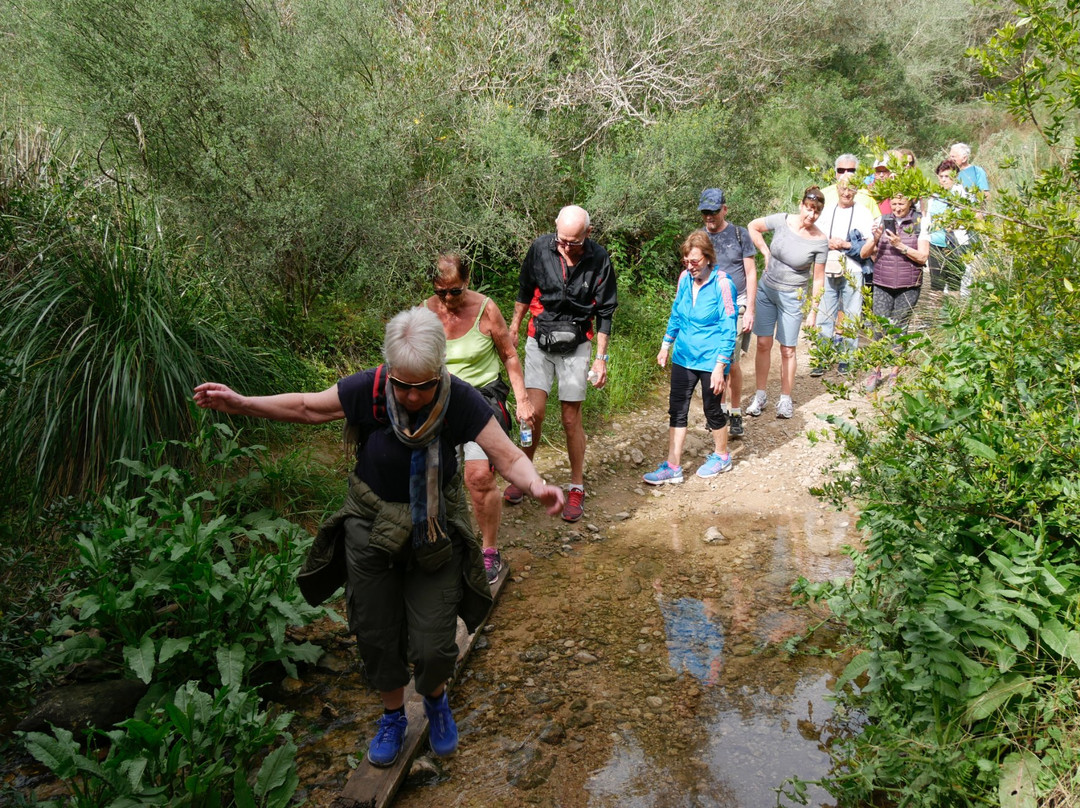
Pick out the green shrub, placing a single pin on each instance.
(104, 318)
(168, 578)
(188, 747)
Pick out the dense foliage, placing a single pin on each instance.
(963, 602)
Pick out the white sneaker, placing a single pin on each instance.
(757, 404)
(785, 408)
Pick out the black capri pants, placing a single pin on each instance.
(683, 382)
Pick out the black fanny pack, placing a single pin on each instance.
(558, 336)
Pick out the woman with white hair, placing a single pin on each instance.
(403, 542)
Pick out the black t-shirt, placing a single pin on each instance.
(382, 461)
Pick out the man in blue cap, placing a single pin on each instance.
(734, 255)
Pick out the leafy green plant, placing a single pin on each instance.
(169, 577)
(188, 747)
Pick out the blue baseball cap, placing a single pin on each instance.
(711, 199)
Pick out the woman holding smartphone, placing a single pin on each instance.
(903, 247)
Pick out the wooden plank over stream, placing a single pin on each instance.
(373, 787)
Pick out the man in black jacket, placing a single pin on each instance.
(566, 282)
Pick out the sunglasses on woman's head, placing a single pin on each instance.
(457, 290)
(400, 385)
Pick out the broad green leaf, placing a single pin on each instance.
(275, 769)
(980, 449)
(1061, 640)
(231, 665)
(984, 705)
(856, 668)
(141, 658)
(1017, 786)
(173, 646)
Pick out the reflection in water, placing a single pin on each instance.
(754, 741)
(695, 637)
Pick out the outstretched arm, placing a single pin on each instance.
(297, 408)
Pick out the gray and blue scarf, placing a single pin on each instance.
(425, 482)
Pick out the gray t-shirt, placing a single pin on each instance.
(792, 257)
(732, 244)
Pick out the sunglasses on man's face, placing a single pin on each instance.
(400, 385)
(709, 212)
(845, 170)
(457, 290)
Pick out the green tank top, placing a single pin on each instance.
(472, 357)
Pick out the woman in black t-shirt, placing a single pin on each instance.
(411, 560)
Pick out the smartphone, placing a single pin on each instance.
(888, 223)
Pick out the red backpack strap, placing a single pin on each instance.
(378, 395)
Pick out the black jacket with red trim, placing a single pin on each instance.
(588, 290)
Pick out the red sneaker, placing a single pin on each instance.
(574, 508)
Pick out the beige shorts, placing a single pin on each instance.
(742, 341)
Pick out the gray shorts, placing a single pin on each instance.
(571, 370)
(779, 312)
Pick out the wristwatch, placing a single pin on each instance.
(603, 357)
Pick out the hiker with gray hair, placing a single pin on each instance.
(403, 543)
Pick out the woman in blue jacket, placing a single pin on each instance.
(702, 327)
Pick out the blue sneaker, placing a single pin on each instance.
(715, 464)
(442, 731)
(389, 737)
(664, 473)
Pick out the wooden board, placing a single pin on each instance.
(372, 787)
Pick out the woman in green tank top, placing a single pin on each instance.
(477, 339)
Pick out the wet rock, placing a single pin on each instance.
(713, 535)
(291, 686)
(534, 654)
(330, 712)
(423, 771)
(97, 704)
(529, 768)
(553, 733)
(332, 663)
(581, 718)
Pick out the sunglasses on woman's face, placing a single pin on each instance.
(457, 290)
(400, 385)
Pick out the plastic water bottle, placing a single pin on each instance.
(593, 377)
(526, 435)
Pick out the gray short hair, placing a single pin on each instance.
(963, 148)
(415, 342)
(846, 158)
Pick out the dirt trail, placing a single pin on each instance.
(579, 659)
